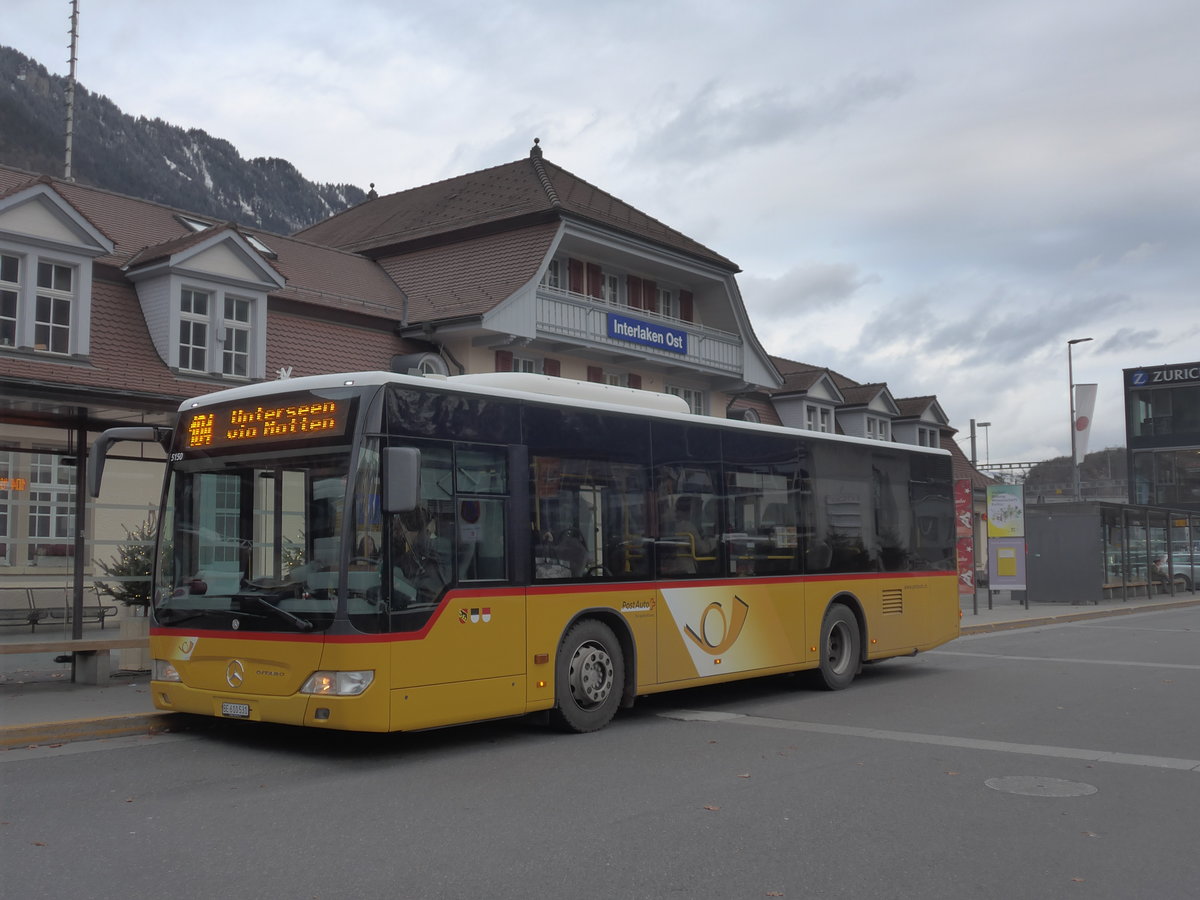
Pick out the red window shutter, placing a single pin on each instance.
(595, 374)
(650, 296)
(575, 276)
(594, 279)
(634, 285)
(687, 310)
(504, 360)
(635, 381)
(551, 367)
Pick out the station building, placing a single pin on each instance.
(115, 310)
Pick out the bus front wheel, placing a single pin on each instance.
(589, 677)
(841, 650)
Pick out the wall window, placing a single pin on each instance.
(927, 437)
(6, 488)
(51, 509)
(10, 294)
(877, 428)
(193, 330)
(553, 277)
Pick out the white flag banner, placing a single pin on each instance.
(1085, 403)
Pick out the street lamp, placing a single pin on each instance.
(1071, 397)
(987, 444)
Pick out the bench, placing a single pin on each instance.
(16, 608)
(53, 603)
(90, 662)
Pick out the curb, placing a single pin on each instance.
(1073, 617)
(44, 733)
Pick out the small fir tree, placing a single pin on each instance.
(131, 568)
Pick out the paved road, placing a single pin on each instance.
(1052, 762)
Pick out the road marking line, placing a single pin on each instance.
(908, 737)
(1064, 659)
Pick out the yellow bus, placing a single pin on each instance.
(380, 552)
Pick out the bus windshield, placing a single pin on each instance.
(252, 543)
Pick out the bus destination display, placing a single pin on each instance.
(249, 424)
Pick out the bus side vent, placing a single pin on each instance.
(893, 602)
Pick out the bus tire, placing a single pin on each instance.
(589, 677)
(841, 648)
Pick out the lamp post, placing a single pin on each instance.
(1071, 397)
(987, 444)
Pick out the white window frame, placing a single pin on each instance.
(610, 288)
(234, 334)
(877, 428)
(697, 400)
(198, 326)
(36, 319)
(667, 303)
(234, 345)
(51, 506)
(552, 280)
(526, 364)
(10, 297)
(826, 421)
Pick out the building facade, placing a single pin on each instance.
(1162, 432)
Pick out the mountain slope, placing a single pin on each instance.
(152, 159)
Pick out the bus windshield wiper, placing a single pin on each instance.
(300, 623)
(186, 615)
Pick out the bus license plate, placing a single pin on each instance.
(236, 710)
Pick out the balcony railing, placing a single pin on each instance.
(585, 320)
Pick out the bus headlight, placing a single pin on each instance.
(338, 684)
(164, 670)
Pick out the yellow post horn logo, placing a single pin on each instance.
(729, 629)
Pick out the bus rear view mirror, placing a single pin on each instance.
(401, 479)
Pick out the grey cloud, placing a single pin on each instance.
(804, 288)
(711, 124)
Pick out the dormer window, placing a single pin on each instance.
(553, 277)
(43, 319)
(223, 325)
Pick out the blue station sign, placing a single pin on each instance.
(623, 328)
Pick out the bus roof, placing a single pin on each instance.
(525, 385)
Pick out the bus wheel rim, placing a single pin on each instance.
(839, 647)
(591, 675)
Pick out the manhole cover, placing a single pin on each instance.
(1035, 786)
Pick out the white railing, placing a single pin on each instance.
(585, 319)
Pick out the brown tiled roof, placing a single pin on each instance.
(529, 190)
(788, 367)
(862, 394)
(914, 407)
(469, 278)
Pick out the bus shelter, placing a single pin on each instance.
(1085, 552)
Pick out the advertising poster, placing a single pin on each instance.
(964, 535)
(1006, 510)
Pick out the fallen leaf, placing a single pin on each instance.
(1078, 880)
(774, 893)
(712, 808)
(39, 843)
(954, 773)
(746, 775)
(129, 799)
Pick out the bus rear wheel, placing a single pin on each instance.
(841, 648)
(589, 677)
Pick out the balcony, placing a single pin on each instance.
(585, 321)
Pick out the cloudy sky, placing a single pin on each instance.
(937, 194)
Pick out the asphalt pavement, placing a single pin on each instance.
(40, 705)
